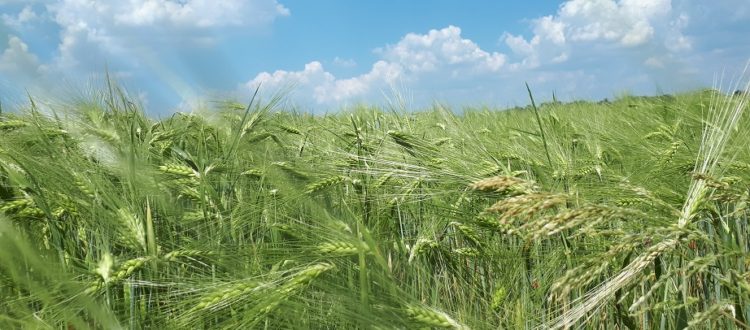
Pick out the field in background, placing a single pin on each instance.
(624, 214)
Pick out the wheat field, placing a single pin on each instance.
(602, 215)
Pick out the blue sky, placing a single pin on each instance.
(329, 54)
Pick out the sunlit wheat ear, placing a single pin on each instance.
(503, 184)
(726, 112)
(433, 318)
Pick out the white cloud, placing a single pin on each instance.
(527, 49)
(17, 61)
(628, 22)
(440, 48)
(580, 25)
(26, 15)
(198, 13)
(550, 29)
(587, 48)
(141, 37)
(322, 87)
(168, 13)
(96, 32)
(413, 59)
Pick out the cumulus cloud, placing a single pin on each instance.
(94, 30)
(629, 22)
(441, 48)
(17, 61)
(197, 13)
(587, 48)
(322, 87)
(623, 24)
(139, 37)
(25, 16)
(168, 13)
(412, 59)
